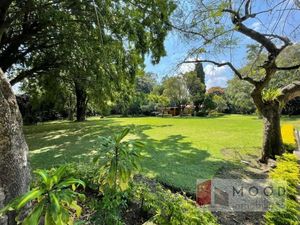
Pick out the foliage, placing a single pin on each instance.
(94, 56)
(288, 137)
(207, 105)
(220, 103)
(216, 91)
(53, 200)
(120, 161)
(169, 208)
(196, 87)
(238, 97)
(176, 90)
(287, 169)
(270, 95)
(145, 83)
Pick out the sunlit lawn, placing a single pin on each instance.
(178, 150)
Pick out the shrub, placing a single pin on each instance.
(120, 162)
(288, 137)
(117, 167)
(169, 208)
(287, 170)
(54, 201)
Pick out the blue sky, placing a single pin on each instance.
(177, 48)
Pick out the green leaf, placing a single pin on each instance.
(34, 217)
(45, 177)
(55, 203)
(48, 218)
(58, 174)
(69, 182)
(77, 208)
(122, 135)
(139, 144)
(96, 158)
(35, 193)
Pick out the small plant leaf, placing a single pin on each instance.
(70, 182)
(35, 193)
(120, 137)
(35, 216)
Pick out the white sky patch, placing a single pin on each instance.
(256, 26)
(216, 76)
(186, 67)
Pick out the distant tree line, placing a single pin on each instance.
(148, 97)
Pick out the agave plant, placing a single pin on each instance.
(54, 200)
(121, 160)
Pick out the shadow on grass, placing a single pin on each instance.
(173, 160)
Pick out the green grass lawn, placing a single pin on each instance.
(178, 150)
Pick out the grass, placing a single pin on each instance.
(178, 150)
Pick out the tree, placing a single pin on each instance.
(93, 51)
(216, 91)
(176, 90)
(220, 103)
(38, 36)
(14, 176)
(195, 82)
(238, 96)
(145, 83)
(272, 44)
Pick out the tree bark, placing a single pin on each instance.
(81, 102)
(272, 141)
(14, 175)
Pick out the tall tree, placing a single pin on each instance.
(14, 176)
(38, 36)
(176, 90)
(195, 81)
(272, 43)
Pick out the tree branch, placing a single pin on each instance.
(237, 20)
(240, 76)
(42, 68)
(4, 5)
(289, 67)
(290, 92)
(286, 40)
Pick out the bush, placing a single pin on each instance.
(169, 208)
(147, 110)
(287, 170)
(54, 202)
(288, 137)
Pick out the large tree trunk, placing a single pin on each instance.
(81, 102)
(14, 168)
(272, 141)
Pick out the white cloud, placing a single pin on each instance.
(256, 26)
(216, 76)
(185, 67)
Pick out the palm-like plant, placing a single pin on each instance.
(54, 200)
(121, 161)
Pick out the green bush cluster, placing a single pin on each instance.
(54, 200)
(169, 208)
(287, 169)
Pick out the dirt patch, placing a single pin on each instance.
(249, 168)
